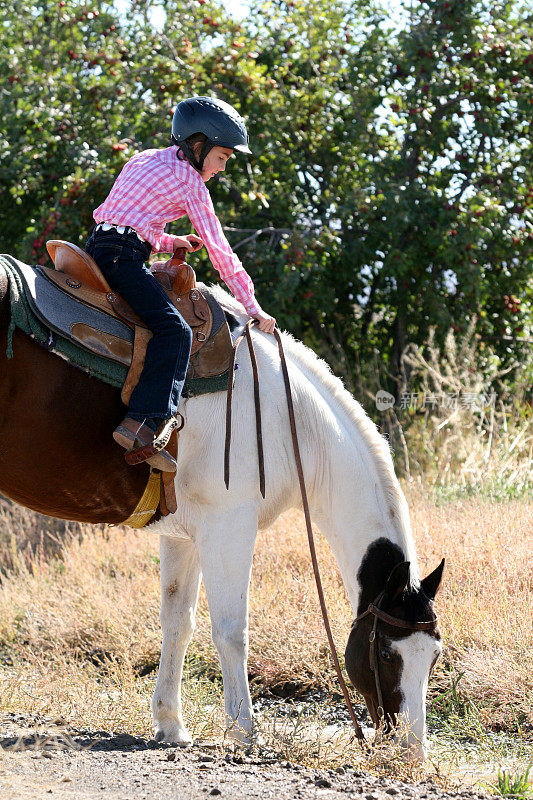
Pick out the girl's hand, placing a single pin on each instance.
(191, 243)
(194, 241)
(266, 322)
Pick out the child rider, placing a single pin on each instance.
(153, 188)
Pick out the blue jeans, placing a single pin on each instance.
(121, 259)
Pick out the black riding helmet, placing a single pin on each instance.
(217, 120)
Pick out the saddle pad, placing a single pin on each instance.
(24, 319)
(96, 331)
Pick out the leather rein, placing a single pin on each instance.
(373, 608)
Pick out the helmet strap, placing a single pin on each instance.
(188, 152)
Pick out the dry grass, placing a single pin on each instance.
(486, 605)
(470, 424)
(80, 638)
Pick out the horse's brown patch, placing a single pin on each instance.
(57, 455)
(172, 588)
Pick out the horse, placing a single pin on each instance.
(57, 457)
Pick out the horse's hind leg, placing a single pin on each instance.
(225, 546)
(180, 582)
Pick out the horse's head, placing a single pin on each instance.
(393, 646)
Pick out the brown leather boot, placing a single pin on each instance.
(142, 444)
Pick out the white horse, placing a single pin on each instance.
(355, 500)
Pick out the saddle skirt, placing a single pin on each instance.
(75, 301)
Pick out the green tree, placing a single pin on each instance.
(407, 161)
(454, 190)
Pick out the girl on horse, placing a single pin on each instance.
(156, 187)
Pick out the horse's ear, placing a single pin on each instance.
(398, 580)
(431, 584)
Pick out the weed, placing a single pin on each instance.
(517, 786)
(450, 702)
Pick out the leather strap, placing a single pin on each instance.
(305, 503)
(229, 402)
(400, 623)
(246, 334)
(373, 608)
(168, 483)
(257, 404)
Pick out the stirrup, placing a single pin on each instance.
(154, 452)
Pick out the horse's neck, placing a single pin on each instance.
(365, 546)
(357, 503)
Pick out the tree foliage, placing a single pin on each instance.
(390, 186)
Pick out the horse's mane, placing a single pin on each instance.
(314, 368)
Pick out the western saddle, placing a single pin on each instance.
(77, 274)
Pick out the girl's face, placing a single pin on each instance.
(215, 161)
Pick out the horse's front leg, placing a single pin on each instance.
(180, 582)
(225, 545)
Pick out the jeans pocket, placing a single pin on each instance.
(108, 257)
(118, 253)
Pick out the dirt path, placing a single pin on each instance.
(66, 763)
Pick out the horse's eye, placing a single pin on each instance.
(386, 655)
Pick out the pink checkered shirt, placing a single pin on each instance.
(154, 188)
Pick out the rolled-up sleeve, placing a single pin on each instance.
(202, 215)
(166, 243)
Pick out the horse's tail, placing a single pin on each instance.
(4, 293)
(8, 293)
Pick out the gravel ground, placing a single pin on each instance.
(67, 763)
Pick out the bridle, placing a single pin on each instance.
(374, 608)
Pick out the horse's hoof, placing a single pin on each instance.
(240, 737)
(173, 734)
